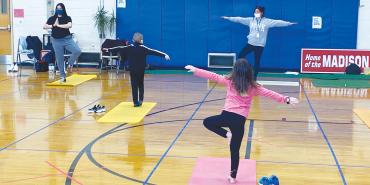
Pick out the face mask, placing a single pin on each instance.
(59, 12)
(257, 15)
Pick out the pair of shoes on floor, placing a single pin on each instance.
(97, 109)
(139, 104)
(272, 180)
(13, 68)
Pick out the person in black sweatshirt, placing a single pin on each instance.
(136, 54)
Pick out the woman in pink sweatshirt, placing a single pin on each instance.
(241, 87)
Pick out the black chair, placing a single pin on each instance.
(111, 56)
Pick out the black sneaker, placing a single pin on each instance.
(91, 110)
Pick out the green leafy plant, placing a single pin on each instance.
(112, 22)
(104, 21)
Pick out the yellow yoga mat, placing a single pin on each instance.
(73, 80)
(125, 112)
(364, 115)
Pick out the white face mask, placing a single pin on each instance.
(141, 41)
(257, 15)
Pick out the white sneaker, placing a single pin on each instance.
(11, 68)
(231, 180)
(15, 68)
(63, 80)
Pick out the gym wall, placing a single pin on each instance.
(189, 29)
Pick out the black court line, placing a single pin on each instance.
(101, 166)
(177, 107)
(53, 123)
(85, 149)
(48, 125)
(186, 157)
(73, 165)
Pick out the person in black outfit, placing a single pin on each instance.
(61, 38)
(136, 54)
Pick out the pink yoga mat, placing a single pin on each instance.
(214, 171)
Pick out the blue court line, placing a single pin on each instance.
(178, 135)
(325, 137)
(249, 142)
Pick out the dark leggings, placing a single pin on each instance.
(257, 56)
(235, 123)
(137, 84)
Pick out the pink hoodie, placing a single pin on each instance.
(234, 102)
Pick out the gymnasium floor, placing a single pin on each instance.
(47, 136)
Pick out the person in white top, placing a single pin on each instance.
(258, 30)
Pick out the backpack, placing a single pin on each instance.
(41, 66)
(353, 69)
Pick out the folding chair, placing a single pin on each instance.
(23, 52)
(111, 57)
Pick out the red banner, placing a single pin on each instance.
(332, 60)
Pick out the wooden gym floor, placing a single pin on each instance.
(47, 136)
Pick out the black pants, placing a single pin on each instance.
(257, 56)
(137, 86)
(235, 123)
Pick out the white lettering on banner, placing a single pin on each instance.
(309, 57)
(344, 60)
(334, 62)
(326, 60)
(341, 61)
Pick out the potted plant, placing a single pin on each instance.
(112, 22)
(104, 22)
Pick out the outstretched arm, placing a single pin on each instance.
(207, 74)
(120, 49)
(275, 96)
(241, 20)
(279, 23)
(154, 52)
